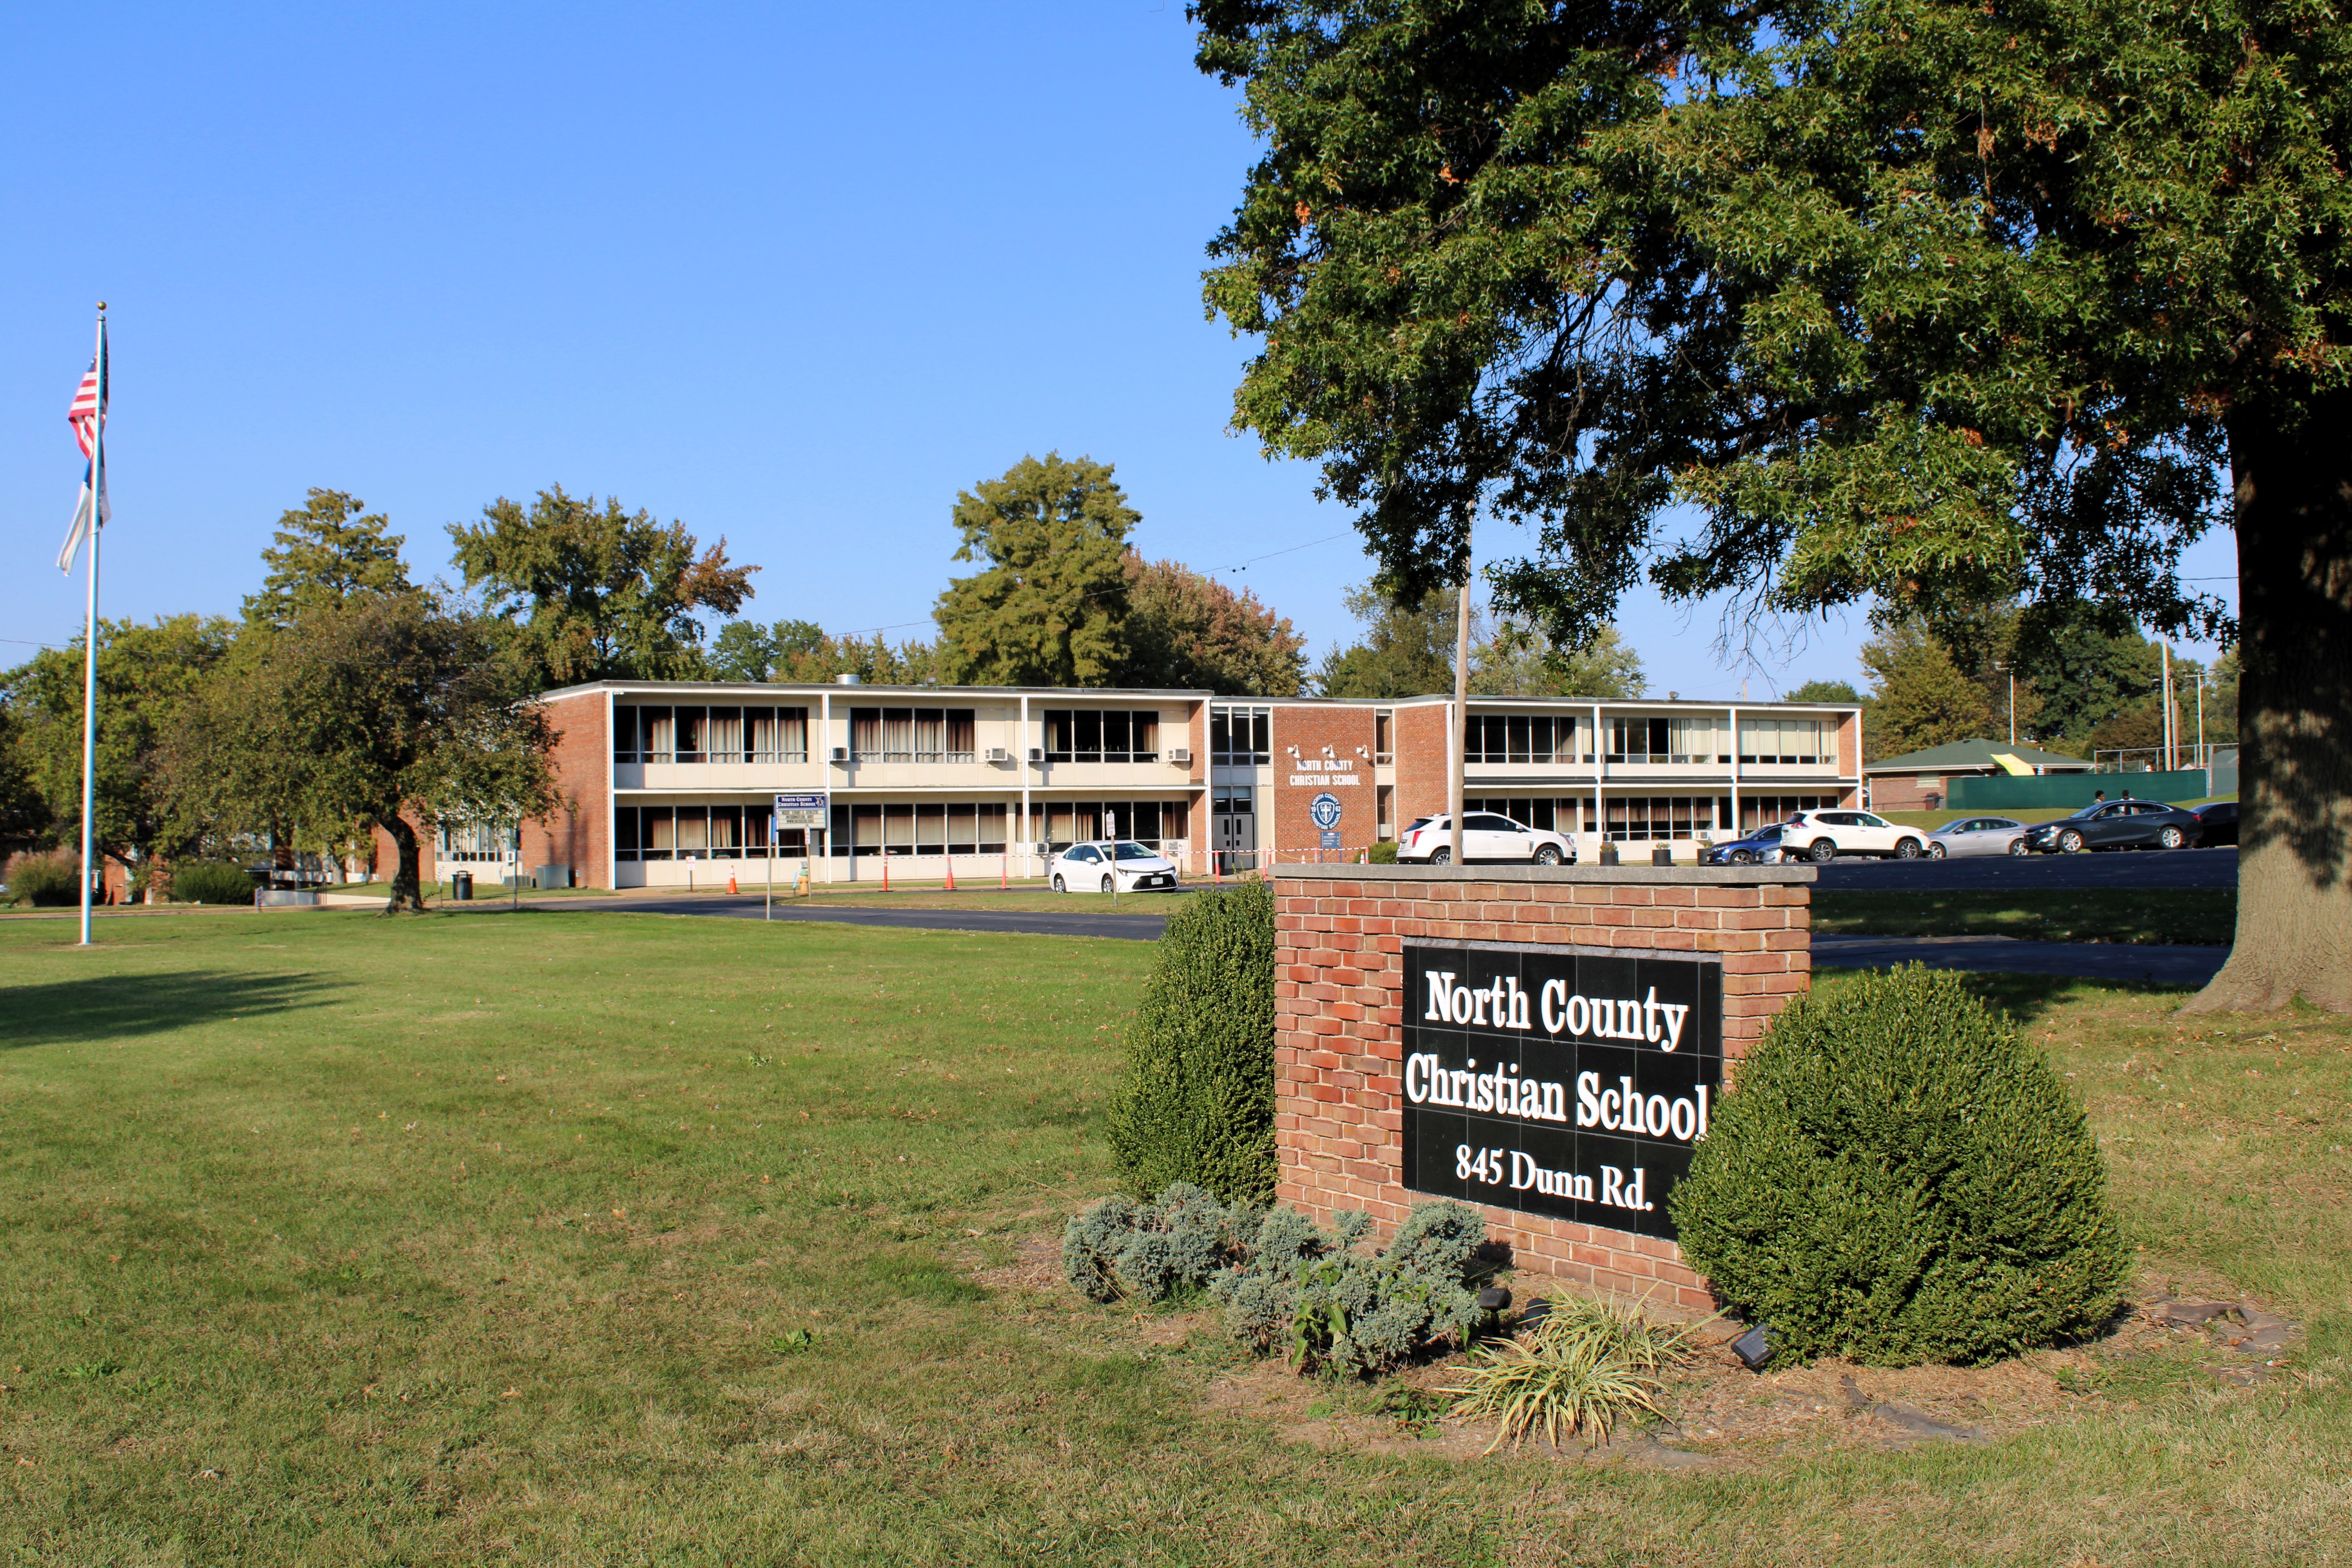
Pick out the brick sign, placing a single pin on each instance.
(1558, 1080)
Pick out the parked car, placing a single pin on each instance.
(2118, 824)
(1826, 835)
(1091, 868)
(1978, 836)
(1484, 837)
(2219, 822)
(1761, 848)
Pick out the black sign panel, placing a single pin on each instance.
(1556, 1081)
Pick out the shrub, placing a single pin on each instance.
(1282, 1279)
(1151, 1251)
(46, 878)
(1196, 1103)
(211, 882)
(1383, 854)
(1900, 1178)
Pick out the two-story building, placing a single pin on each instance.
(672, 784)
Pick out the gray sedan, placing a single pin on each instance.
(1978, 836)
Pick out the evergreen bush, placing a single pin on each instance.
(1900, 1178)
(46, 878)
(210, 882)
(1151, 1251)
(1384, 853)
(1196, 1101)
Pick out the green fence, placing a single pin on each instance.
(2006, 791)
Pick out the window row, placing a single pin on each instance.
(1522, 738)
(472, 842)
(1791, 742)
(700, 833)
(1701, 740)
(1241, 737)
(709, 734)
(1102, 735)
(1565, 814)
(911, 734)
(1763, 810)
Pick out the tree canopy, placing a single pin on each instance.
(1408, 652)
(328, 551)
(1906, 301)
(1919, 697)
(1050, 604)
(598, 594)
(1187, 631)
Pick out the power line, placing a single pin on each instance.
(1272, 554)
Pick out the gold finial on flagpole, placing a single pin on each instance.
(101, 304)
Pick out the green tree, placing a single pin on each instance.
(400, 712)
(147, 677)
(1919, 697)
(599, 594)
(1050, 606)
(2080, 675)
(1924, 300)
(1403, 653)
(1824, 691)
(1519, 660)
(329, 550)
(1187, 631)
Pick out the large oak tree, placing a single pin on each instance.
(1899, 300)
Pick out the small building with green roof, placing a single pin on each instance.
(1920, 781)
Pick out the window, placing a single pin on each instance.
(1636, 817)
(1520, 738)
(909, 734)
(1755, 810)
(1545, 813)
(643, 734)
(693, 723)
(1384, 812)
(1099, 735)
(473, 842)
(1241, 737)
(1383, 736)
(1231, 800)
(1640, 740)
(1785, 742)
(1487, 822)
(777, 734)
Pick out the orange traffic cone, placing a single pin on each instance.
(951, 876)
(886, 871)
(730, 881)
(1003, 863)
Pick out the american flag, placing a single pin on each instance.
(89, 406)
(86, 415)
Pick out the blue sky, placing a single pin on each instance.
(794, 275)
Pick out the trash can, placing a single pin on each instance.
(461, 886)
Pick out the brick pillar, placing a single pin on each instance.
(1340, 937)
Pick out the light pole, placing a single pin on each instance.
(2010, 670)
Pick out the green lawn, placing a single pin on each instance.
(554, 1238)
(2058, 914)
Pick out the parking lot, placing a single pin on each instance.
(2110, 868)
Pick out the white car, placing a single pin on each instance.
(1978, 836)
(1484, 837)
(1826, 835)
(1091, 868)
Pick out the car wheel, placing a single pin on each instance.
(1057, 883)
(1934, 852)
(2170, 838)
(1822, 851)
(1906, 850)
(1441, 856)
(2070, 842)
(2017, 846)
(1548, 855)
(1743, 857)
(1107, 886)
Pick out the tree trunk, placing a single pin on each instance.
(2294, 484)
(406, 890)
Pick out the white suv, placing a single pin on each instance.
(1486, 836)
(1826, 835)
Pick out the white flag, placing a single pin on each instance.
(81, 529)
(87, 414)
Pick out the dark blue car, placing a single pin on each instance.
(1760, 847)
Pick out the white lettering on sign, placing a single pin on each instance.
(1645, 1020)
(1325, 780)
(1624, 1110)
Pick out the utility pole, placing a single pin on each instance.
(2010, 669)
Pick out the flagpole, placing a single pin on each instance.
(89, 627)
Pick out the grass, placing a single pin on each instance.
(550, 1240)
(2057, 914)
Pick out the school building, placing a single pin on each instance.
(671, 783)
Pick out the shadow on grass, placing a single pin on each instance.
(110, 1008)
(2026, 997)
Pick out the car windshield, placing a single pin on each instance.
(1957, 826)
(1766, 834)
(1128, 850)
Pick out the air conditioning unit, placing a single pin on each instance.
(1180, 755)
(999, 754)
(1036, 753)
(841, 753)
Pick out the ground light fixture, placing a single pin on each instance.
(1754, 1348)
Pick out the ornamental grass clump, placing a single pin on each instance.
(1196, 1103)
(45, 879)
(1584, 1366)
(1900, 1178)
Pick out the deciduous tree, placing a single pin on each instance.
(599, 594)
(329, 550)
(1912, 300)
(1187, 631)
(1050, 605)
(1920, 697)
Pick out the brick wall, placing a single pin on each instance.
(577, 835)
(1425, 740)
(1338, 1022)
(1910, 792)
(1348, 732)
